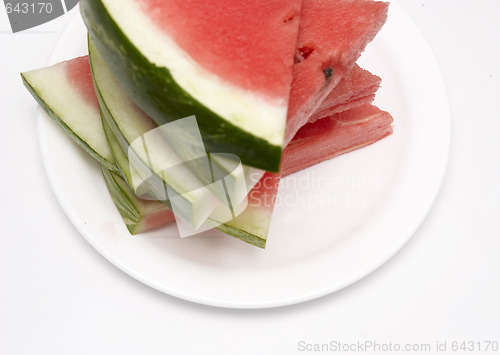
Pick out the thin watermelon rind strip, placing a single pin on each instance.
(126, 207)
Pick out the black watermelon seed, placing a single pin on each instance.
(328, 73)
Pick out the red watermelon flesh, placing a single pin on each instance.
(356, 88)
(156, 220)
(335, 135)
(78, 73)
(248, 43)
(332, 35)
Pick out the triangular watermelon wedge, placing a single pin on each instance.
(71, 81)
(228, 63)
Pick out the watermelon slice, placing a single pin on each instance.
(230, 65)
(332, 35)
(66, 92)
(356, 88)
(335, 135)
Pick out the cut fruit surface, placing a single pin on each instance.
(233, 40)
(332, 36)
(335, 135)
(66, 92)
(237, 85)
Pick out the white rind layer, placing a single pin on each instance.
(262, 117)
(53, 86)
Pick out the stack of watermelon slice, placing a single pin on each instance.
(274, 84)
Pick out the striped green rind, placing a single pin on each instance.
(157, 93)
(121, 159)
(122, 200)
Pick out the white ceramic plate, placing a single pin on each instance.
(333, 224)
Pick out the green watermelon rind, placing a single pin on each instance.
(135, 212)
(240, 234)
(75, 137)
(134, 70)
(123, 203)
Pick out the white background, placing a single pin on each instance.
(59, 296)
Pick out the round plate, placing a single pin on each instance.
(333, 224)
